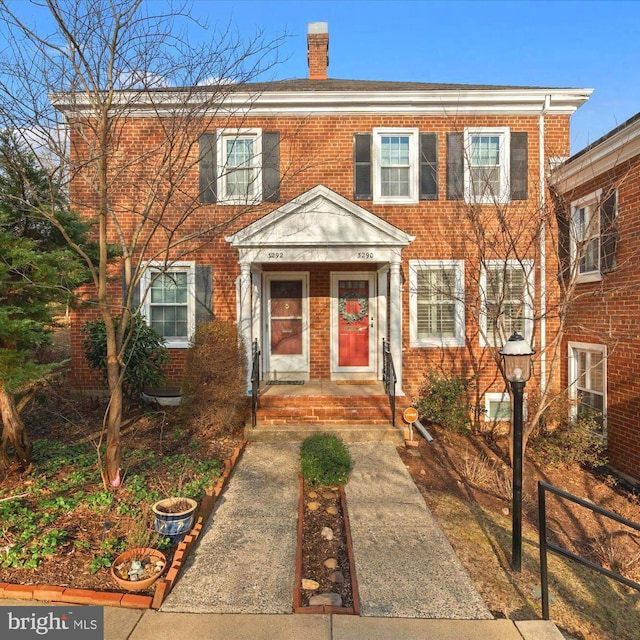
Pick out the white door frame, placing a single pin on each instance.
(277, 366)
(338, 372)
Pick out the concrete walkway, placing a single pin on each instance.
(245, 559)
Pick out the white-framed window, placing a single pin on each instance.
(497, 407)
(506, 290)
(239, 172)
(486, 167)
(395, 165)
(585, 237)
(168, 304)
(436, 301)
(588, 381)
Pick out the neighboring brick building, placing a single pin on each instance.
(360, 230)
(600, 188)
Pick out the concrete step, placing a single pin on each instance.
(349, 432)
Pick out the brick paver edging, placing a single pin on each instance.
(49, 593)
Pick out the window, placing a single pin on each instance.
(507, 301)
(436, 298)
(395, 171)
(497, 407)
(169, 302)
(239, 175)
(593, 236)
(587, 377)
(486, 168)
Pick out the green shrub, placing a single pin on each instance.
(443, 399)
(572, 441)
(325, 460)
(144, 354)
(214, 387)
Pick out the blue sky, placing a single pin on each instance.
(551, 44)
(554, 44)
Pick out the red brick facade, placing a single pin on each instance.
(605, 313)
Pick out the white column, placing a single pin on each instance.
(395, 321)
(244, 319)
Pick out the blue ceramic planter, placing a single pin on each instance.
(172, 523)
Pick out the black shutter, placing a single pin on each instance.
(362, 166)
(271, 166)
(609, 232)
(455, 166)
(135, 299)
(428, 166)
(207, 165)
(519, 165)
(204, 293)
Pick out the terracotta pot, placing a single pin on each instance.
(170, 523)
(135, 554)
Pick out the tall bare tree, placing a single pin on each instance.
(113, 99)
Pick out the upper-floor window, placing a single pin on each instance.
(593, 235)
(436, 298)
(487, 166)
(506, 289)
(395, 165)
(239, 166)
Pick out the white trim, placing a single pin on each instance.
(505, 161)
(528, 267)
(372, 278)
(255, 194)
(414, 165)
(592, 203)
(188, 266)
(458, 297)
(442, 102)
(493, 396)
(572, 371)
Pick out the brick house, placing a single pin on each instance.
(354, 199)
(600, 193)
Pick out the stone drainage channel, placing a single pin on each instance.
(325, 571)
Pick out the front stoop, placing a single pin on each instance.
(353, 418)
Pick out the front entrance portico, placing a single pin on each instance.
(320, 288)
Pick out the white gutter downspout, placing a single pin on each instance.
(543, 249)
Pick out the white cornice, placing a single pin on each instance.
(603, 157)
(448, 102)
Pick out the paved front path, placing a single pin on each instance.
(245, 560)
(405, 565)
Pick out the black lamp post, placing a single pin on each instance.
(516, 355)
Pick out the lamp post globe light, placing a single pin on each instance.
(516, 355)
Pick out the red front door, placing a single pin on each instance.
(353, 323)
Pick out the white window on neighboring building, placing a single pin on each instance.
(588, 381)
(395, 165)
(497, 407)
(436, 299)
(169, 302)
(506, 289)
(239, 176)
(585, 237)
(486, 165)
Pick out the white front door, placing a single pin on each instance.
(287, 326)
(353, 324)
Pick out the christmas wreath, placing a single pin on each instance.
(353, 317)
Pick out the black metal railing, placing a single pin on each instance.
(255, 383)
(545, 545)
(389, 378)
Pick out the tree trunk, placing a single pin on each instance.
(113, 418)
(15, 445)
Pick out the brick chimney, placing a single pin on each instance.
(318, 50)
